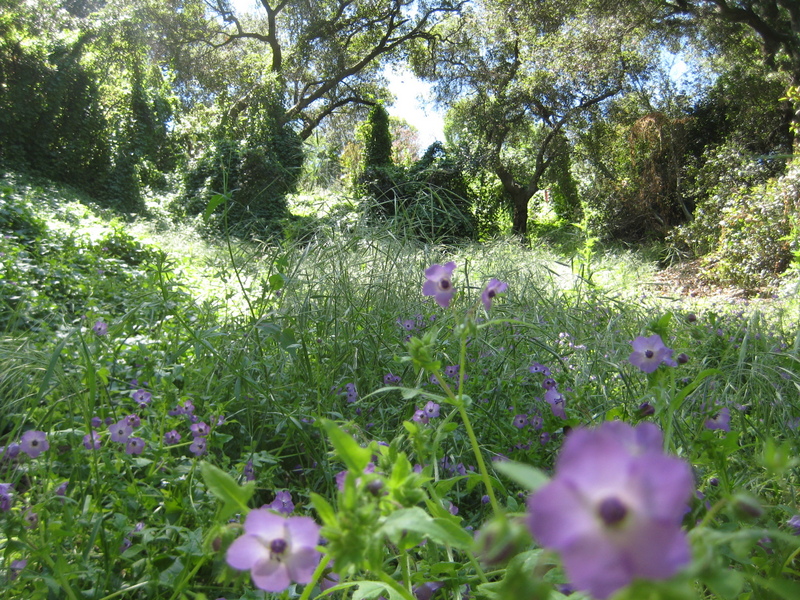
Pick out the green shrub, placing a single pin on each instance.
(748, 227)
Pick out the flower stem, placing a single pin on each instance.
(479, 457)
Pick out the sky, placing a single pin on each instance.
(414, 103)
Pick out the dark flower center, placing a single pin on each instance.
(444, 284)
(491, 293)
(277, 546)
(648, 353)
(34, 443)
(612, 510)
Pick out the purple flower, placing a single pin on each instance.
(426, 590)
(390, 379)
(432, 409)
(549, 383)
(91, 441)
(407, 324)
(341, 477)
(494, 287)
(721, 420)
(556, 402)
(134, 445)
(96, 422)
(282, 503)
(5, 496)
(539, 368)
(16, 567)
(350, 392)
(249, 471)
(420, 416)
(328, 581)
(120, 432)
(276, 550)
(61, 490)
(451, 371)
(794, 524)
(520, 421)
(649, 352)
(646, 409)
(199, 429)
(33, 443)
(31, 518)
(438, 283)
(12, 451)
(614, 508)
(198, 446)
(100, 328)
(142, 397)
(133, 421)
(171, 438)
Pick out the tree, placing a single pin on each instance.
(775, 24)
(517, 74)
(325, 54)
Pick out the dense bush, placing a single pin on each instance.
(747, 225)
(431, 198)
(437, 198)
(257, 159)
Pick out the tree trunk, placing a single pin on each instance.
(520, 197)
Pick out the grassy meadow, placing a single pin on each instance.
(158, 382)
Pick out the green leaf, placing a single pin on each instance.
(324, 509)
(234, 497)
(276, 281)
(527, 476)
(354, 456)
(691, 387)
(103, 373)
(416, 520)
(368, 590)
(215, 201)
(725, 583)
(788, 590)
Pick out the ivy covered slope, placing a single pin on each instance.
(64, 262)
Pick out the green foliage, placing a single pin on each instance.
(54, 276)
(747, 228)
(437, 199)
(377, 139)
(257, 160)
(51, 120)
(719, 115)
(563, 193)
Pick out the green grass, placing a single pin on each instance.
(271, 336)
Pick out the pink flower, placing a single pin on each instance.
(276, 550)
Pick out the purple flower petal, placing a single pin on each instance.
(614, 508)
